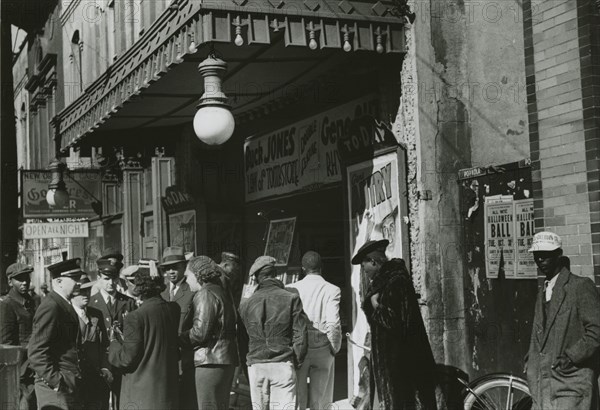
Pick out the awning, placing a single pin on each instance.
(349, 25)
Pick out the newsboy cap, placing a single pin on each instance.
(17, 269)
(260, 263)
(66, 269)
(368, 247)
(173, 255)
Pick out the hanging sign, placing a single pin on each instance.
(82, 187)
(302, 156)
(181, 218)
(50, 230)
(279, 240)
(508, 237)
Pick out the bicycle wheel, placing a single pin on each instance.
(502, 392)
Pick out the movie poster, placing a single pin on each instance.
(500, 238)
(373, 194)
(524, 230)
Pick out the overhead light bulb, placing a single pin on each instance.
(239, 40)
(213, 123)
(312, 44)
(57, 198)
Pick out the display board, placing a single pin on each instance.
(497, 224)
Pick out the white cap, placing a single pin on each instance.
(545, 241)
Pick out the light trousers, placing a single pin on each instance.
(319, 365)
(272, 386)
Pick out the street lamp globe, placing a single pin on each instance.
(57, 198)
(213, 123)
(57, 195)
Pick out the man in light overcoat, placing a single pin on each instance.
(562, 366)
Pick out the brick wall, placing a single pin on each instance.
(563, 125)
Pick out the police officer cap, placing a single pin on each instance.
(66, 269)
(109, 267)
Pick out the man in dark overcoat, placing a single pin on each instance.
(147, 351)
(53, 347)
(562, 365)
(402, 361)
(16, 322)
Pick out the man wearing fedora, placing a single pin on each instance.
(173, 267)
(113, 305)
(16, 321)
(402, 361)
(275, 327)
(562, 365)
(53, 347)
(93, 341)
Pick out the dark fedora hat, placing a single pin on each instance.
(369, 247)
(173, 255)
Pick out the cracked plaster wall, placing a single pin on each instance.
(458, 68)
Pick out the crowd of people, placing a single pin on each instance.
(172, 335)
(150, 343)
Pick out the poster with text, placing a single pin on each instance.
(182, 230)
(500, 238)
(279, 240)
(524, 230)
(302, 156)
(374, 203)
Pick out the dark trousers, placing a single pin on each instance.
(188, 399)
(95, 393)
(213, 384)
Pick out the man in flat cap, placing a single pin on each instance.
(173, 267)
(16, 321)
(276, 329)
(402, 360)
(113, 305)
(53, 347)
(562, 365)
(96, 376)
(231, 278)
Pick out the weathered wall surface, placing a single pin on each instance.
(457, 111)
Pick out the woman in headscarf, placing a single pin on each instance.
(147, 350)
(213, 334)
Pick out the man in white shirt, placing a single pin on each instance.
(321, 303)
